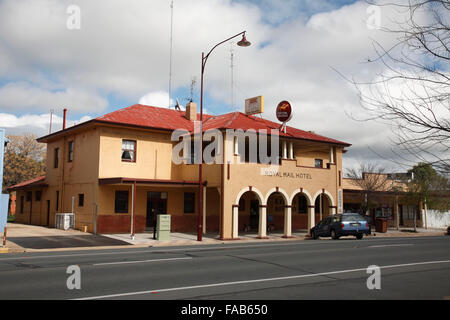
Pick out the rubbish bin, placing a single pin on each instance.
(381, 225)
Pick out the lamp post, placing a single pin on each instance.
(242, 43)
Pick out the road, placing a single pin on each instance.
(411, 268)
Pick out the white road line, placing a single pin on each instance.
(141, 261)
(258, 280)
(216, 247)
(392, 245)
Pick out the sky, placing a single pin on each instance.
(95, 57)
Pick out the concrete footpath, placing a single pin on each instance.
(27, 238)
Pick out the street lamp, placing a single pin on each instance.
(242, 43)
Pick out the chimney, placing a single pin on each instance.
(64, 118)
(191, 111)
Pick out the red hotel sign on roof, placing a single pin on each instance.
(284, 111)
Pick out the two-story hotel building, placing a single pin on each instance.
(115, 172)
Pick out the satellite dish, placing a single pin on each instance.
(177, 106)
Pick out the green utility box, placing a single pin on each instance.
(163, 227)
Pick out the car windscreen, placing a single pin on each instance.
(352, 217)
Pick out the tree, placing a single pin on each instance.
(412, 93)
(369, 178)
(427, 186)
(24, 159)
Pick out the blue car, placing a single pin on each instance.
(335, 226)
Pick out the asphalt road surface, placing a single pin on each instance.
(411, 268)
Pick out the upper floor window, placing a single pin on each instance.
(56, 157)
(70, 155)
(29, 195)
(38, 195)
(318, 163)
(129, 150)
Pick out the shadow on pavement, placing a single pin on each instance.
(53, 242)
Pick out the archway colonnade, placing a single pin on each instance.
(322, 204)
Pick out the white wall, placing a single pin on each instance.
(437, 219)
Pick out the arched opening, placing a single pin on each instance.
(276, 209)
(322, 206)
(248, 213)
(300, 204)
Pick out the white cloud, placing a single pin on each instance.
(38, 124)
(156, 99)
(19, 96)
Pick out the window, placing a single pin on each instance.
(21, 204)
(302, 204)
(129, 150)
(56, 156)
(189, 202)
(38, 195)
(121, 203)
(318, 163)
(29, 196)
(81, 200)
(70, 155)
(57, 200)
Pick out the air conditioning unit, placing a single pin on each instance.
(64, 221)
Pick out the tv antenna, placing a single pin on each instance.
(232, 75)
(193, 83)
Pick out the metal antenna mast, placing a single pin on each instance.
(232, 75)
(171, 45)
(51, 116)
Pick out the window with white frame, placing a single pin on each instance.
(129, 150)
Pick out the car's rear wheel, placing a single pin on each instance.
(359, 236)
(334, 235)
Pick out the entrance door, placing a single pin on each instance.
(254, 214)
(155, 205)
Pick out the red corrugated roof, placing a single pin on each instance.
(239, 120)
(29, 183)
(154, 117)
(169, 119)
